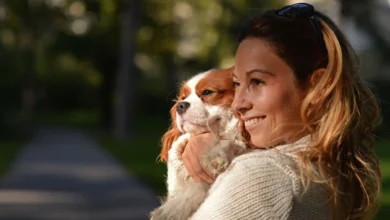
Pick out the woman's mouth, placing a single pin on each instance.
(251, 123)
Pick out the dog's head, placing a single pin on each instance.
(203, 104)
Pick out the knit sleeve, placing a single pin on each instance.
(255, 188)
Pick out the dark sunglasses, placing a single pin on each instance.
(304, 10)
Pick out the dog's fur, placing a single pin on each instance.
(205, 111)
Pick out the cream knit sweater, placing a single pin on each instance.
(264, 184)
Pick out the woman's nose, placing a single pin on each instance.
(241, 103)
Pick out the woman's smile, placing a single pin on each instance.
(253, 122)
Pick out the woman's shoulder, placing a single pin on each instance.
(271, 160)
(282, 159)
(278, 170)
(264, 169)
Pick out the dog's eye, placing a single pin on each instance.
(206, 92)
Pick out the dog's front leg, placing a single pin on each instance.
(177, 173)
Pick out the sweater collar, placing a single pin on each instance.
(293, 148)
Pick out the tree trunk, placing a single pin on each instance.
(172, 79)
(124, 85)
(28, 98)
(106, 94)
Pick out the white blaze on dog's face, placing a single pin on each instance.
(204, 100)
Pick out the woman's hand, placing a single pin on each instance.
(195, 149)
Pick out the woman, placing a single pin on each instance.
(309, 119)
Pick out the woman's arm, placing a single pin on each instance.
(254, 188)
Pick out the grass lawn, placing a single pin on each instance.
(383, 151)
(84, 119)
(140, 154)
(13, 136)
(8, 152)
(139, 157)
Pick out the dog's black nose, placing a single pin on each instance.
(182, 107)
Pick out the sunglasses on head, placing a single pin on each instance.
(304, 10)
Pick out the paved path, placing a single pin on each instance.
(62, 174)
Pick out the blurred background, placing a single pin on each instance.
(104, 72)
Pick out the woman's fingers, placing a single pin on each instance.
(194, 150)
(194, 168)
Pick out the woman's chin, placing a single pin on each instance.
(264, 141)
(260, 142)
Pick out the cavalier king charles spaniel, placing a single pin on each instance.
(203, 105)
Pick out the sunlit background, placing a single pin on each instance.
(86, 87)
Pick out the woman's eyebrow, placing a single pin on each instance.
(257, 71)
(260, 71)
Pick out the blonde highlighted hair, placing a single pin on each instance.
(339, 111)
(342, 121)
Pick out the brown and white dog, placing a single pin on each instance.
(203, 105)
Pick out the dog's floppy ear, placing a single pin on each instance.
(170, 136)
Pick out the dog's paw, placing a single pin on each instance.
(216, 162)
(179, 145)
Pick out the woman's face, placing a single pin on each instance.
(267, 97)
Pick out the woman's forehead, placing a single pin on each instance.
(257, 56)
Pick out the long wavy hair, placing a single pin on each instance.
(339, 110)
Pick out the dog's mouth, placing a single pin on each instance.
(200, 122)
(197, 125)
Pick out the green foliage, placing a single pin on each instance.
(80, 118)
(42, 48)
(383, 151)
(70, 84)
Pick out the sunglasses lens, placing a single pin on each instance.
(297, 10)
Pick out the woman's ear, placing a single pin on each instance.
(170, 136)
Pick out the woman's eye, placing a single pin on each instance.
(206, 92)
(235, 84)
(256, 82)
